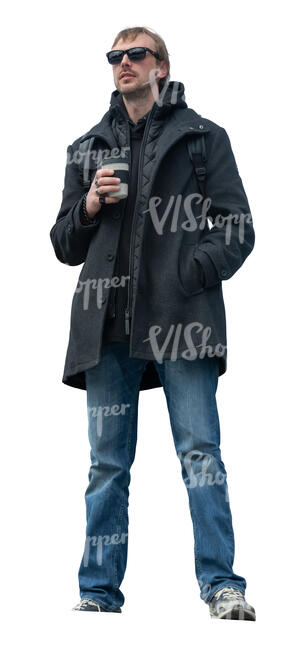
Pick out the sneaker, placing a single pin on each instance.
(87, 605)
(229, 602)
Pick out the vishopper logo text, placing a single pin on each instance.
(178, 332)
(192, 221)
(97, 541)
(208, 475)
(174, 205)
(99, 412)
(99, 284)
(98, 156)
(159, 95)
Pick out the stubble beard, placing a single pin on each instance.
(140, 92)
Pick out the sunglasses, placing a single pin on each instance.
(134, 54)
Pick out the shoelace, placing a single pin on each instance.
(84, 602)
(228, 592)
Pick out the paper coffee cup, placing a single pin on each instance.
(121, 170)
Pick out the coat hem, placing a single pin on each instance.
(75, 376)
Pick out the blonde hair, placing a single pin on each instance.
(132, 32)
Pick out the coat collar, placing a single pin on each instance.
(171, 98)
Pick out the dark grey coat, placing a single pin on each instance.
(177, 267)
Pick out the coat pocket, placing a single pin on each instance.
(189, 270)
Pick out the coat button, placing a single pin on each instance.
(116, 216)
(69, 228)
(223, 272)
(110, 257)
(201, 126)
(103, 300)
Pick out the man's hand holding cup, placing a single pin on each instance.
(103, 182)
(106, 187)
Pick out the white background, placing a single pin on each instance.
(240, 63)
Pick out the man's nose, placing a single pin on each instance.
(125, 58)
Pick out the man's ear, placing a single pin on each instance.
(162, 70)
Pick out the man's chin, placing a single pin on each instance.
(134, 89)
(137, 89)
(131, 82)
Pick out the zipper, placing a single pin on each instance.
(129, 293)
(126, 315)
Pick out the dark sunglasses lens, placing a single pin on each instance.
(137, 53)
(115, 57)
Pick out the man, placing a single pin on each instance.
(148, 311)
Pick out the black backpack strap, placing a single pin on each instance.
(84, 165)
(197, 151)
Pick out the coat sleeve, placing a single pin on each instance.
(70, 237)
(231, 238)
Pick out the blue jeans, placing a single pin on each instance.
(112, 401)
